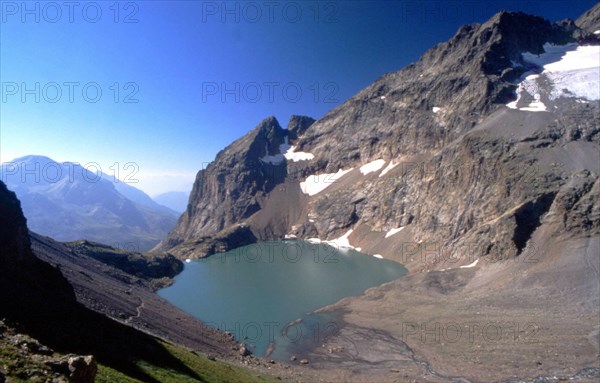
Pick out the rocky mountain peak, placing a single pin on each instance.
(509, 34)
(427, 114)
(298, 125)
(234, 185)
(449, 89)
(251, 147)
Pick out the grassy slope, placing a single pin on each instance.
(21, 365)
(206, 369)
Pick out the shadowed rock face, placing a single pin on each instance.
(22, 276)
(37, 300)
(14, 236)
(233, 187)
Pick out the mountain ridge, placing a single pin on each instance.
(453, 87)
(485, 192)
(68, 202)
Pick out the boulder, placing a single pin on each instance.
(83, 369)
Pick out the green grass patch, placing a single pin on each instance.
(206, 370)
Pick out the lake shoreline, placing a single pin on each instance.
(269, 291)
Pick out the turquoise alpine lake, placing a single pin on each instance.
(265, 294)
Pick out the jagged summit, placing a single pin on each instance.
(464, 79)
(428, 114)
(234, 185)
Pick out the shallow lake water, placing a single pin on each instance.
(265, 294)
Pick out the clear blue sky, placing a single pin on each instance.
(195, 69)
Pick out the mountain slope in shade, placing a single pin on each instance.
(36, 301)
(67, 202)
(452, 167)
(175, 200)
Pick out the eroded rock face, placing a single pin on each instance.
(234, 186)
(589, 22)
(468, 169)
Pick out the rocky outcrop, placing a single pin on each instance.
(234, 187)
(32, 293)
(150, 267)
(26, 359)
(22, 275)
(82, 369)
(589, 22)
(227, 239)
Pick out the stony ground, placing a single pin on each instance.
(495, 327)
(24, 359)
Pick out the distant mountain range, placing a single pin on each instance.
(67, 202)
(174, 200)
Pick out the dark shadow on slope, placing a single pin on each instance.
(528, 219)
(43, 308)
(39, 301)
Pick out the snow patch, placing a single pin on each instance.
(390, 166)
(290, 153)
(342, 242)
(290, 236)
(316, 183)
(568, 71)
(393, 231)
(275, 159)
(470, 265)
(286, 152)
(436, 109)
(535, 106)
(188, 260)
(378, 256)
(372, 166)
(597, 32)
